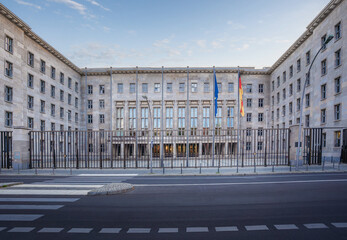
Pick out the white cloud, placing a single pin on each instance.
(235, 25)
(244, 47)
(161, 43)
(106, 29)
(74, 5)
(95, 3)
(201, 43)
(217, 44)
(28, 4)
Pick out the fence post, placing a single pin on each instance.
(181, 169)
(323, 163)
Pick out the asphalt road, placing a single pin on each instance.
(293, 206)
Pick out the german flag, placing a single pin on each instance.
(242, 111)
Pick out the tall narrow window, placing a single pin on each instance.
(69, 82)
(42, 86)
(261, 88)
(102, 89)
(338, 58)
(308, 57)
(43, 66)
(156, 121)
(90, 89)
(8, 94)
(323, 91)
(205, 120)
(298, 85)
(144, 118)
(8, 119)
(337, 138)
(90, 104)
(194, 87)
(8, 69)
(323, 39)
(169, 120)
(323, 116)
(52, 72)
(337, 85)
(261, 102)
(206, 87)
(230, 117)
(42, 106)
(52, 110)
(101, 118)
(9, 44)
(30, 122)
(169, 87)
(181, 120)
(307, 98)
(324, 67)
(30, 102)
(338, 31)
(157, 87)
(30, 59)
(298, 65)
(291, 71)
(337, 112)
(193, 120)
(101, 103)
(284, 76)
(249, 88)
(145, 87)
(62, 78)
(30, 80)
(120, 87)
(119, 118)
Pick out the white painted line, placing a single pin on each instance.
(56, 186)
(197, 229)
(2, 228)
(80, 230)
(31, 207)
(286, 226)
(39, 199)
(42, 192)
(106, 175)
(110, 230)
(256, 228)
(315, 225)
(21, 229)
(19, 217)
(139, 230)
(227, 229)
(233, 183)
(51, 230)
(168, 230)
(340, 225)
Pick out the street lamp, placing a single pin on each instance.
(150, 132)
(330, 37)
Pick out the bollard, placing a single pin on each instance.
(181, 169)
(163, 169)
(323, 163)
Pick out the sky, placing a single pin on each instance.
(170, 33)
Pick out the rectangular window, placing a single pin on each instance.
(284, 93)
(169, 87)
(69, 82)
(181, 120)
(249, 117)
(194, 87)
(90, 89)
(324, 67)
(323, 115)
(43, 66)
(323, 39)
(260, 146)
(323, 91)
(62, 95)
(42, 106)
(337, 112)
(230, 117)
(278, 98)
(298, 104)
(298, 65)
(157, 87)
(101, 104)
(76, 117)
(249, 88)
(30, 102)
(8, 94)
(218, 118)
(307, 100)
(338, 58)
(101, 118)
(219, 85)
(30, 59)
(260, 117)
(308, 57)
(290, 108)
(169, 118)
(90, 104)
(181, 87)
(102, 89)
(298, 85)
(291, 71)
(337, 85)
(8, 69)
(90, 118)
(230, 87)
(120, 87)
(290, 89)
(145, 87)
(61, 113)
(30, 122)
(249, 102)
(248, 146)
(272, 86)
(283, 110)
(52, 110)
(62, 78)
(76, 102)
(52, 72)
(261, 102)
(278, 81)
(8, 119)
(324, 139)
(132, 118)
(76, 87)
(69, 115)
(193, 120)
(206, 119)
(337, 138)
(261, 88)
(131, 88)
(206, 87)
(307, 120)
(42, 86)
(273, 100)
(43, 125)
(284, 76)
(144, 118)
(9, 44)
(156, 118)
(338, 31)
(69, 99)
(30, 81)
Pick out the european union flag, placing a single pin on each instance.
(215, 94)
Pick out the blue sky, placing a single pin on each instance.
(172, 33)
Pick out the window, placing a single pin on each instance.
(230, 117)
(43, 66)
(69, 115)
(76, 102)
(337, 138)
(261, 88)
(90, 118)
(120, 87)
(69, 100)
(144, 87)
(206, 119)
(272, 86)
(181, 87)
(308, 57)
(291, 71)
(76, 87)
(248, 146)
(260, 146)
(53, 110)
(298, 65)
(42, 86)
(8, 69)
(338, 31)
(260, 117)
(273, 100)
(298, 104)
(324, 139)
(290, 89)
(62, 95)
(206, 87)
(102, 89)
(194, 87)
(52, 72)
(338, 58)
(8, 94)
(169, 87)
(278, 81)
(249, 117)
(219, 85)
(307, 100)
(69, 82)
(230, 87)
(144, 118)
(157, 87)
(290, 108)
(132, 118)
(337, 85)
(283, 110)
(30, 81)
(323, 91)
(298, 85)
(90, 89)
(278, 97)
(169, 118)
(62, 78)
(101, 118)
(61, 112)
(272, 115)
(8, 119)
(307, 120)
(284, 93)
(218, 119)
(249, 88)
(156, 118)
(9, 44)
(42, 106)
(323, 39)
(43, 125)
(249, 102)
(194, 120)
(260, 132)
(101, 104)
(30, 59)
(323, 115)
(30, 122)
(76, 117)
(261, 102)
(181, 120)
(337, 112)
(119, 118)
(90, 104)
(30, 102)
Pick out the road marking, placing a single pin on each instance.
(168, 230)
(2, 228)
(21, 229)
(19, 217)
(241, 183)
(42, 192)
(51, 230)
(256, 228)
(110, 230)
(139, 230)
(39, 199)
(55, 186)
(31, 207)
(315, 225)
(340, 225)
(106, 175)
(80, 230)
(286, 226)
(227, 229)
(197, 229)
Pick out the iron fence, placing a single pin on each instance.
(5, 149)
(170, 148)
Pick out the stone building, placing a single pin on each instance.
(43, 90)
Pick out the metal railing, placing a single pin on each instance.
(118, 149)
(5, 149)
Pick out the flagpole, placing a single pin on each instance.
(238, 119)
(214, 114)
(187, 116)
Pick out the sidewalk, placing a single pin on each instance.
(328, 167)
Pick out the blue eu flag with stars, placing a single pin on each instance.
(215, 94)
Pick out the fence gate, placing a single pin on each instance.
(5, 149)
(313, 145)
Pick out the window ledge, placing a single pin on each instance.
(9, 102)
(336, 94)
(336, 40)
(336, 67)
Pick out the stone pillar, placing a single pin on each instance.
(293, 144)
(20, 143)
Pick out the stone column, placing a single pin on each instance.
(20, 143)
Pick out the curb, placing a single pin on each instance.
(9, 184)
(111, 189)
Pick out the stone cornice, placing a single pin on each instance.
(27, 30)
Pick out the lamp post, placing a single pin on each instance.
(302, 100)
(151, 133)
